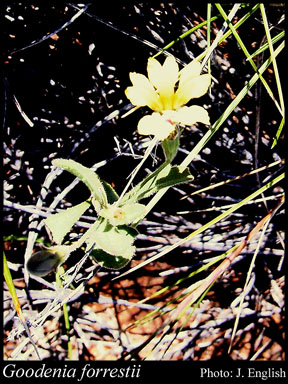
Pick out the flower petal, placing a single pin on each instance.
(192, 115)
(154, 70)
(170, 70)
(161, 75)
(142, 92)
(191, 70)
(164, 78)
(195, 87)
(143, 97)
(170, 115)
(155, 125)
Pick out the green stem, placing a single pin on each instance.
(65, 314)
(209, 8)
(228, 33)
(77, 244)
(134, 173)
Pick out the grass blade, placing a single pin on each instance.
(266, 45)
(275, 67)
(250, 271)
(220, 33)
(233, 179)
(278, 133)
(185, 35)
(228, 33)
(12, 290)
(243, 295)
(223, 215)
(190, 299)
(246, 53)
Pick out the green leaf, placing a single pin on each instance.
(126, 214)
(112, 195)
(163, 177)
(177, 175)
(116, 241)
(170, 147)
(246, 53)
(109, 261)
(89, 178)
(60, 223)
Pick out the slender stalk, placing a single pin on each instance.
(136, 170)
(190, 299)
(60, 271)
(209, 8)
(228, 33)
(233, 179)
(220, 34)
(266, 45)
(278, 133)
(246, 53)
(275, 67)
(269, 217)
(243, 295)
(185, 35)
(227, 213)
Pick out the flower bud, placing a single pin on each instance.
(43, 262)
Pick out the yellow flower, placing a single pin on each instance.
(159, 91)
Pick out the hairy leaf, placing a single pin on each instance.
(163, 177)
(89, 178)
(170, 147)
(109, 261)
(116, 241)
(60, 223)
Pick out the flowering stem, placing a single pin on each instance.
(203, 141)
(77, 244)
(147, 153)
